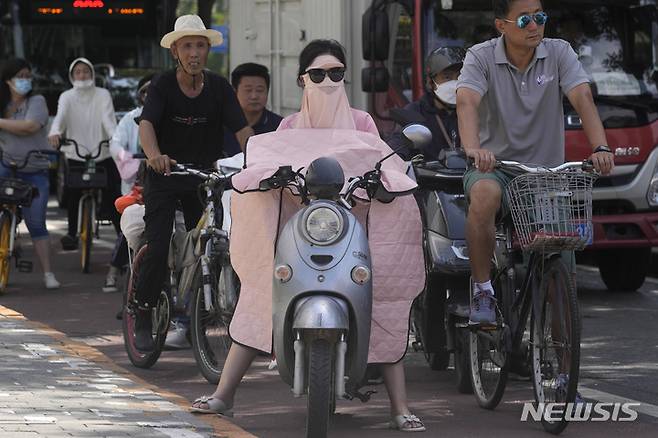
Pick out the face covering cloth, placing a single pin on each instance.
(325, 105)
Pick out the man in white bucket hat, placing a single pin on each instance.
(183, 120)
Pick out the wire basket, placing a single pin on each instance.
(552, 210)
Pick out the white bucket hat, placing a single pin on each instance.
(191, 25)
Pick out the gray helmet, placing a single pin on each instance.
(441, 58)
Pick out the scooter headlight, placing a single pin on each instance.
(324, 225)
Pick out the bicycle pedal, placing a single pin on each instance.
(24, 265)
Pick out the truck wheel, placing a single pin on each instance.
(624, 269)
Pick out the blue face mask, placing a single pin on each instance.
(22, 86)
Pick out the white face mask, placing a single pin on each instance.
(447, 92)
(83, 84)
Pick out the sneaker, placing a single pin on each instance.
(110, 284)
(50, 281)
(69, 243)
(177, 337)
(143, 331)
(561, 386)
(483, 308)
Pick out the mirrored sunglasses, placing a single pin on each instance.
(524, 20)
(317, 75)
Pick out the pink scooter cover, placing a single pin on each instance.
(394, 232)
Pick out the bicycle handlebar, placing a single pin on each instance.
(33, 152)
(213, 175)
(585, 165)
(70, 141)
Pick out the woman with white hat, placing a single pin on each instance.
(183, 120)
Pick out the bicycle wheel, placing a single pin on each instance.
(488, 353)
(209, 326)
(5, 255)
(161, 316)
(86, 233)
(555, 341)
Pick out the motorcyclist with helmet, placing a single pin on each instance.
(436, 109)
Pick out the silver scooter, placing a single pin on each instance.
(322, 293)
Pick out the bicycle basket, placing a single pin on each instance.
(77, 177)
(552, 210)
(16, 192)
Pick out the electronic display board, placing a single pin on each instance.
(85, 10)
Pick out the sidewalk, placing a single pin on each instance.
(53, 387)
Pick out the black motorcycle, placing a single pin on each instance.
(440, 313)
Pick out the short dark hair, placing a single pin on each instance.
(320, 47)
(249, 69)
(501, 7)
(10, 68)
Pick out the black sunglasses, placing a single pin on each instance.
(317, 75)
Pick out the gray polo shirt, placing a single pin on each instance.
(521, 113)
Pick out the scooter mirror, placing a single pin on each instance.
(417, 134)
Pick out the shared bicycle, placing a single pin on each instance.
(538, 320)
(14, 194)
(91, 179)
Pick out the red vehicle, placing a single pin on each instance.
(617, 43)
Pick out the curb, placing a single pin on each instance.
(222, 428)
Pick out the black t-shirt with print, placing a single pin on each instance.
(190, 130)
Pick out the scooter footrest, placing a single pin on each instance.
(364, 397)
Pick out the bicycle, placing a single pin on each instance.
(216, 286)
(550, 211)
(91, 179)
(14, 194)
(212, 299)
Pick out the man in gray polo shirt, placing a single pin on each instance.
(509, 106)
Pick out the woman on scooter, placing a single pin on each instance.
(324, 105)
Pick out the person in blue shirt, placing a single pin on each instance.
(251, 82)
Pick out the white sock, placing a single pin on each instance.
(479, 287)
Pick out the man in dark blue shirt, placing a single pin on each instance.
(252, 84)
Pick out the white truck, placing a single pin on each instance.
(273, 33)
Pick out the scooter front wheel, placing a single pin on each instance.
(320, 370)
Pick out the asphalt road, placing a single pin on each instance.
(618, 363)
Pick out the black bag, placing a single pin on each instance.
(17, 192)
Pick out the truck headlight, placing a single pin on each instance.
(652, 193)
(324, 225)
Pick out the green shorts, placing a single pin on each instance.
(503, 178)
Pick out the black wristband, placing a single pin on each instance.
(602, 148)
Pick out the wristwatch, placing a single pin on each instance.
(602, 148)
